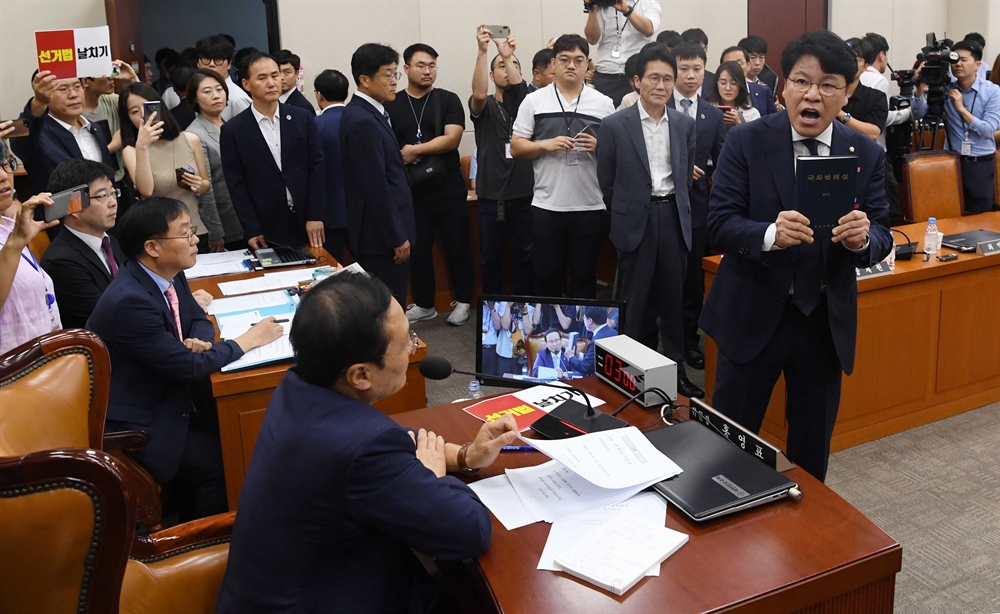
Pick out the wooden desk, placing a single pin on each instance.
(242, 396)
(928, 343)
(819, 553)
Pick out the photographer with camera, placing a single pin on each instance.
(619, 28)
(972, 116)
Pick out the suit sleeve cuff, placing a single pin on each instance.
(863, 249)
(769, 236)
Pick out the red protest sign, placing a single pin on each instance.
(56, 53)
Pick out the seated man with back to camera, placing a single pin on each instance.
(337, 494)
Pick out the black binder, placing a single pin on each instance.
(825, 188)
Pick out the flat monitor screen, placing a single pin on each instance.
(542, 339)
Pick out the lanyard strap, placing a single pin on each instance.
(569, 120)
(420, 120)
(50, 299)
(975, 94)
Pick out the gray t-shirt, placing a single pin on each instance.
(498, 177)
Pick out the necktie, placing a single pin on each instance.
(809, 268)
(171, 295)
(106, 246)
(385, 114)
(686, 104)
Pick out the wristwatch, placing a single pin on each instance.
(630, 10)
(462, 465)
(847, 117)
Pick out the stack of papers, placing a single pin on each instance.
(587, 473)
(220, 263)
(237, 314)
(278, 280)
(263, 302)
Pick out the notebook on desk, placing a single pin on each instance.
(718, 477)
(967, 241)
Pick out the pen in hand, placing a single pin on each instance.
(517, 449)
(276, 322)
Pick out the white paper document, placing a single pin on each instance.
(548, 398)
(247, 303)
(221, 257)
(279, 349)
(269, 281)
(567, 533)
(552, 492)
(231, 327)
(498, 495)
(218, 268)
(615, 459)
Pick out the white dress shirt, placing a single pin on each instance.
(330, 106)
(237, 102)
(270, 128)
(87, 142)
(874, 79)
(93, 243)
(657, 137)
(170, 98)
(616, 30)
(283, 99)
(378, 105)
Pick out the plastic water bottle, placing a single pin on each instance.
(931, 237)
(474, 391)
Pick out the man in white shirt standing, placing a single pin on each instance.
(216, 53)
(874, 49)
(619, 28)
(645, 165)
(556, 128)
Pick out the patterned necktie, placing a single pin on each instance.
(809, 268)
(106, 246)
(385, 114)
(686, 104)
(171, 295)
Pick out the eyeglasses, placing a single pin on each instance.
(396, 76)
(113, 194)
(657, 79)
(826, 89)
(579, 60)
(213, 61)
(9, 165)
(426, 67)
(411, 348)
(191, 238)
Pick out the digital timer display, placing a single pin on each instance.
(615, 371)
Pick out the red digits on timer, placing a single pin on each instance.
(613, 370)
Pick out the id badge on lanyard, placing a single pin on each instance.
(966, 145)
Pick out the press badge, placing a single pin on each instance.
(616, 51)
(506, 147)
(966, 148)
(572, 158)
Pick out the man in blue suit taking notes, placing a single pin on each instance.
(161, 347)
(338, 496)
(381, 228)
(331, 91)
(782, 303)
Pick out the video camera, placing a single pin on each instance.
(936, 73)
(587, 4)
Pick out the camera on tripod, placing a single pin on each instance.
(936, 73)
(588, 4)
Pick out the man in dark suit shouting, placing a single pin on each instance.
(782, 302)
(381, 228)
(273, 162)
(645, 165)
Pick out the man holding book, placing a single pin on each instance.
(783, 302)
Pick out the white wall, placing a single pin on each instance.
(981, 16)
(18, 21)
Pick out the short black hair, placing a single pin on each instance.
(232, 41)
(340, 322)
(598, 314)
(863, 49)
(975, 37)
(735, 72)
(147, 219)
(180, 75)
(215, 47)
(971, 46)
(736, 49)
(252, 59)
(239, 59)
(546, 334)
(569, 42)
(332, 84)
(369, 58)
(631, 65)
(194, 82)
(653, 52)
(670, 38)
(77, 171)
(287, 57)
(878, 42)
(189, 56)
(542, 59)
(834, 56)
(690, 51)
(166, 54)
(418, 48)
(753, 44)
(171, 130)
(695, 35)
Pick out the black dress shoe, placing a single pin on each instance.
(694, 358)
(687, 389)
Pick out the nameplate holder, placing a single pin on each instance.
(749, 442)
(988, 248)
(876, 270)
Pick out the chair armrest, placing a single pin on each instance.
(129, 441)
(197, 533)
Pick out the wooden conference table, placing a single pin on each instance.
(242, 396)
(819, 553)
(928, 343)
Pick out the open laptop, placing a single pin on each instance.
(967, 241)
(718, 477)
(276, 255)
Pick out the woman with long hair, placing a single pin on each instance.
(731, 94)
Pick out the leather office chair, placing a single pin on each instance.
(54, 394)
(933, 181)
(68, 533)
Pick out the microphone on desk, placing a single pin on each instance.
(579, 418)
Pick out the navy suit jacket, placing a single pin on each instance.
(328, 124)
(48, 145)
(623, 173)
(754, 182)
(379, 202)
(333, 502)
(710, 135)
(707, 84)
(544, 359)
(585, 365)
(78, 275)
(762, 99)
(296, 99)
(257, 186)
(151, 370)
